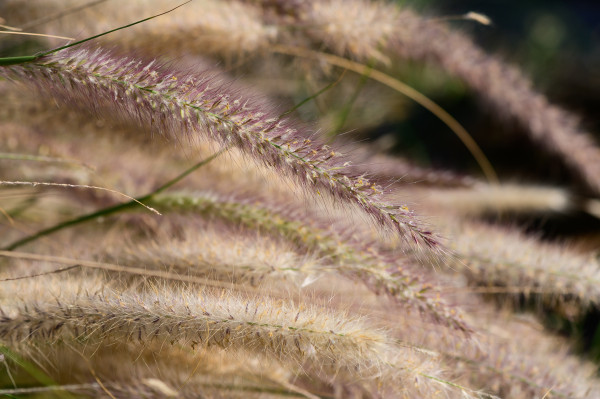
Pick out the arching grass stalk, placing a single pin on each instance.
(352, 259)
(318, 339)
(184, 105)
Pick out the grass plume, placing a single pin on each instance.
(167, 101)
(264, 275)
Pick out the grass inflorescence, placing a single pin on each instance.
(181, 217)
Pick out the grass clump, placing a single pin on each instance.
(250, 258)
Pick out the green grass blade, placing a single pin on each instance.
(112, 209)
(6, 61)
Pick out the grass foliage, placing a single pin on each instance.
(181, 217)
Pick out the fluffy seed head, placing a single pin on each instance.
(185, 105)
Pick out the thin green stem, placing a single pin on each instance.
(345, 112)
(29, 58)
(112, 209)
(317, 94)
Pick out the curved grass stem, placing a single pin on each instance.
(395, 84)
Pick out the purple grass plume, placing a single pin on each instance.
(181, 105)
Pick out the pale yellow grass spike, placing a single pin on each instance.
(322, 341)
